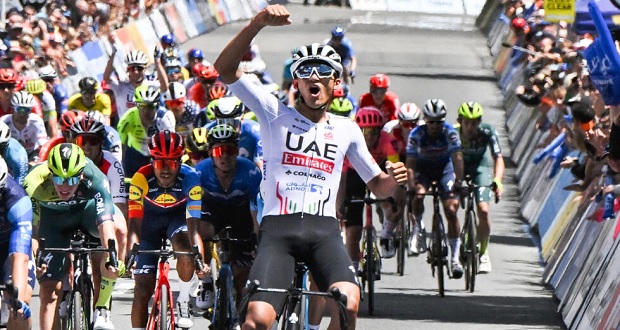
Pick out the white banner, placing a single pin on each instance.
(368, 4)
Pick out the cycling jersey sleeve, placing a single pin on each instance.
(496, 151)
(74, 102)
(100, 190)
(193, 190)
(41, 133)
(137, 190)
(167, 122)
(245, 90)
(20, 217)
(49, 106)
(104, 104)
(123, 125)
(61, 98)
(116, 177)
(454, 142)
(359, 156)
(16, 159)
(33, 185)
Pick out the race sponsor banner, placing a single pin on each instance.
(258, 5)
(160, 26)
(206, 13)
(246, 9)
(560, 10)
(186, 19)
(91, 59)
(131, 38)
(234, 9)
(611, 316)
(368, 4)
(428, 6)
(148, 37)
(174, 20)
(200, 21)
(219, 9)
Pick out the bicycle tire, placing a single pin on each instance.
(220, 315)
(164, 310)
(438, 254)
(402, 245)
(471, 267)
(76, 318)
(370, 269)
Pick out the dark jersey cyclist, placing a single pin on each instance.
(164, 203)
(15, 244)
(434, 154)
(304, 147)
(14, 154)
(477, 140)
(70, 193)
(230, 184)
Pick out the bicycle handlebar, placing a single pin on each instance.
(135, 251)
(370, 201)
(334, 293)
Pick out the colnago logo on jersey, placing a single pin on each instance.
(311, 153)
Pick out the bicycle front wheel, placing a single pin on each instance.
(402, 238)
(220, 315)
(164, 322)
(471, 258)
(439, 261)
(370, 269)
(77, 319)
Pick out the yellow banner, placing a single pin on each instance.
(560, 10)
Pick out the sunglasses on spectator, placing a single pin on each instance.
(23, 109)
(408, 124)
(321, 70)
(7, 86)
(92, 140)
(71, 181)
(220, 151)
(172, 164)
(136, 68)
(175, 103)
(173, 71)
(146, 106)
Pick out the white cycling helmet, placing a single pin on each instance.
(136, 57)
(5, 133)
(22, 99)
(172, 62)
(47, 72)
(435, 109)
(4, 173)
(175, 91)
(316, 53)
(96, 115)
(408, 112)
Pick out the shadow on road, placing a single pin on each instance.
(498, 310)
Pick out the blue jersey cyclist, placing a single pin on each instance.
(229, 110)
(434, 154)
(230, 184)
(344, 47)
(14, 154)
(15, 244)
(164, 203)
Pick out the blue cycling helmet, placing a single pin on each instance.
(167, 39)
(195, 53)
(338, 31)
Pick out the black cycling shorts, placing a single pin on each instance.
(355, 189)
(240, 220)
(312, 239)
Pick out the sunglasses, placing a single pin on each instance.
(207, 81)
(71, 181)
(234, 122)
(378, 90)
(434, 122)
(175, 103)
(172, 164)
(408, 124)
(146, 106)
(92, 140)
(7, 86)
(220, 151)
(173, 71)
(23, 109)
(136, 68)
(321, 70)
(369, 131)
(197, 155)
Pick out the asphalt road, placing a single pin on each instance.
(426, 56)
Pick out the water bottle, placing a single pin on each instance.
(601, 182)
(609, 200)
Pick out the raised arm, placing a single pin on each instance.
(227, 64)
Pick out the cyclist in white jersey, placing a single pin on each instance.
(304, 149)
(26, 127)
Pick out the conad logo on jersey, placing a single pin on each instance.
(305, 161)
(165, 199)
(195, 193)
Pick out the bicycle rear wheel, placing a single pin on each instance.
(401, 238)
(471, 257)
(438, 253)
(370, 269)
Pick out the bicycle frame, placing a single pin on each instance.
(163, 269)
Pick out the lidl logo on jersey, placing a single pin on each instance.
(134, 193)
(195, 193)
(165, 199)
